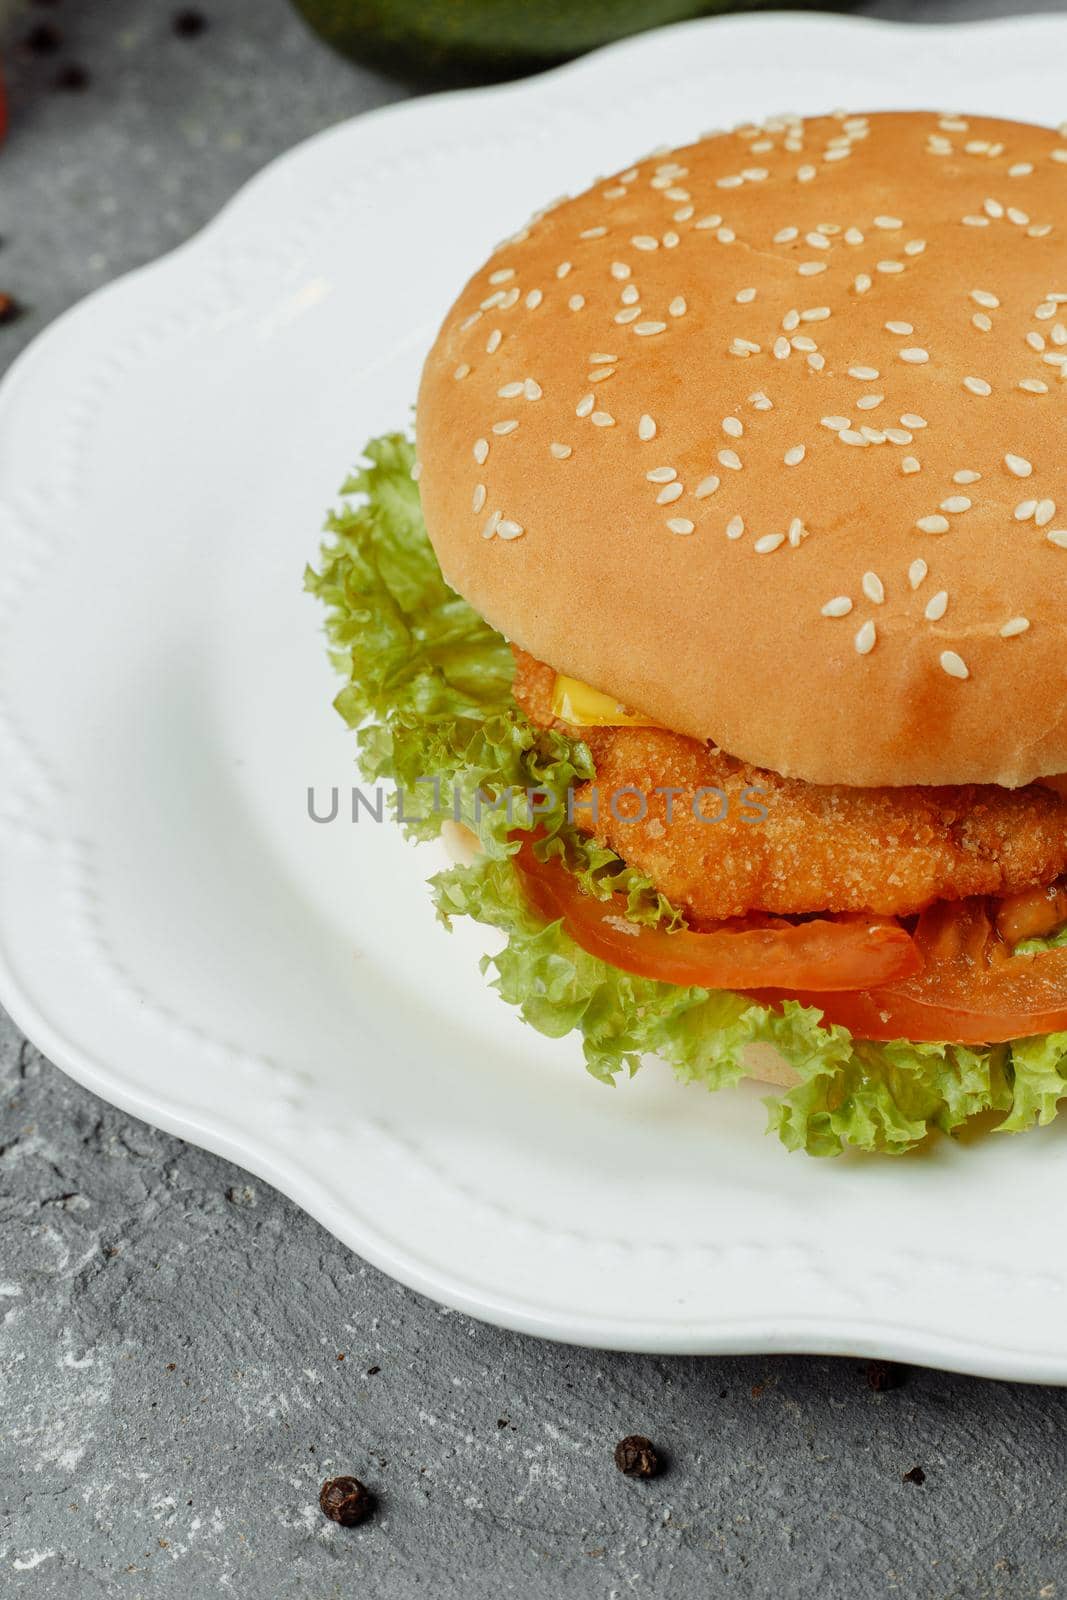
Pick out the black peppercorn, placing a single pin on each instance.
(9, 308)
(636, 1456)
(346, 1500)
(882, 1375)
(72, 78)
(43, 39)
(189, 24)
(916, 1475)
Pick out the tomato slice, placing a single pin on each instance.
(748, 953)
(971, 989)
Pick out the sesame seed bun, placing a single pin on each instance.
(766, 437)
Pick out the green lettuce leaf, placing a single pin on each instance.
(428, 694)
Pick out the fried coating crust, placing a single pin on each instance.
(816, 848)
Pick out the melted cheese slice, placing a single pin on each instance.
(575, 702)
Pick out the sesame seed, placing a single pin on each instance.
(899, 327)
(491, 525)
(576, 302)
(781, 347)
(1014, 627)
(585, 405)
(982, 297)
(983, 323)
(645, 328)
(889, 223)
(890, 266)
(866, 638)
(731, 459)
(910, 464)
(602, 419)
(705, 487)
(502, 275)
(866, 374)
(977, 386)
(911, 419)
(768, 542)
(712, 221)
(1018, 465)
(1033, 386)
(560, 451)
(645, 241)
(593, 233)
(810, 269)
(509, 391)
(508, 529)
(680, 524)
(914, 355)
(672, 491)
(839, 606)
(1025, 510)
(868, 402)
(646, 427)
(862, 282)
(507, 426)
(620, 270)
(932, 524)
(532, 389)
(786, 235)
(678, 306)
(953, 664)
(836, 423)
(1046, 510)
(795, 455)
(745, 297)
(760, 401)
(956, 503)
(480, 451)
(733, 426)
(851, 436)
(936, 606)
(736, 527)
(533, 299)
(1058, 537)
(965, 475)
(873, 588)
(791, 320)
(917, 572)
(563, 269)
(815, 314)
(661, 475)
(478, 497)
(462, 371)
(630, 295)
(630, 314)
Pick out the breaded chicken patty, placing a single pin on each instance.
(721, 838)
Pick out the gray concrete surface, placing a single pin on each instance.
(171, 1388)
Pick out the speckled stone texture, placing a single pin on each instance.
(171, 1393)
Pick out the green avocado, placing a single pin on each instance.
(489, 38)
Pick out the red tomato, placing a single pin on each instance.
(971, 989)
(748, 953)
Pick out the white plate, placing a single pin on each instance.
(175, 932)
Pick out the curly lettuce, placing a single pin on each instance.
(427, 693)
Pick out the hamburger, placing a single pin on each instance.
(723, 600)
